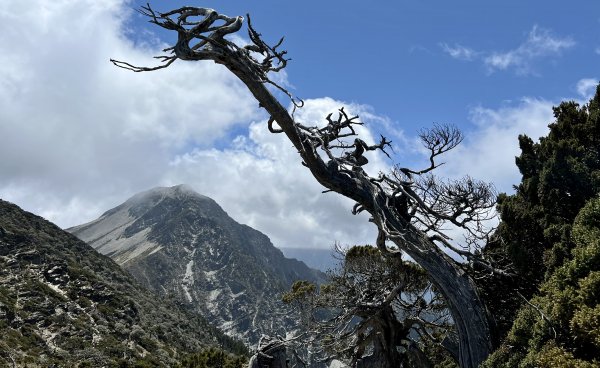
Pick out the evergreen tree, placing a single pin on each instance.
(560, 327)
(559, 175)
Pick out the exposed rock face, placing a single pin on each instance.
(62, 303)
(178, 242)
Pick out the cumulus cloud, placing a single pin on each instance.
(586, 87)
(489, 150)
(79, 136)
(540, 43)
(77, 131)
(260, 181)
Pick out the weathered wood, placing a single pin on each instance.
(270, 353)
(394, 204)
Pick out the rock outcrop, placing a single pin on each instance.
(64, 304)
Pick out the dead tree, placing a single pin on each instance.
(409, 207)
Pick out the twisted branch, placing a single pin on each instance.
(201, 35)
(410, 207)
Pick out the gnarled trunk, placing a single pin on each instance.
(466, 306)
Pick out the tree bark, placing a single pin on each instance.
(467, 308)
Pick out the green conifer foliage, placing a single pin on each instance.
(560, 327)
(213, 358)
(559, 175)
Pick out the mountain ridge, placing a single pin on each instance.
(180, 243)
(61, 302)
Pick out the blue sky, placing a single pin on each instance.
(396, 55)
(80, 136)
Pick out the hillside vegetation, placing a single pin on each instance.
(550, 233)
(62, 303)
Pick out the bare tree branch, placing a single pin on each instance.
(409, 206)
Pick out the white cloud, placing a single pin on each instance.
(597, 50)
(80, 136)
(540, 43)
(586, 87)
(488, 152)
(261, 182)
(459, 52)
(78, 132)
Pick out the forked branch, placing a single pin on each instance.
(201, 35)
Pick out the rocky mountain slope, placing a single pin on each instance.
(180, 243)
(64, 304)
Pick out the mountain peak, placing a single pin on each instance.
(178, 242)
(132, 229)
(180, 191)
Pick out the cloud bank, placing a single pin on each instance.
(74, 126)
(77, 132)
(261, 180)
(79, 136)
